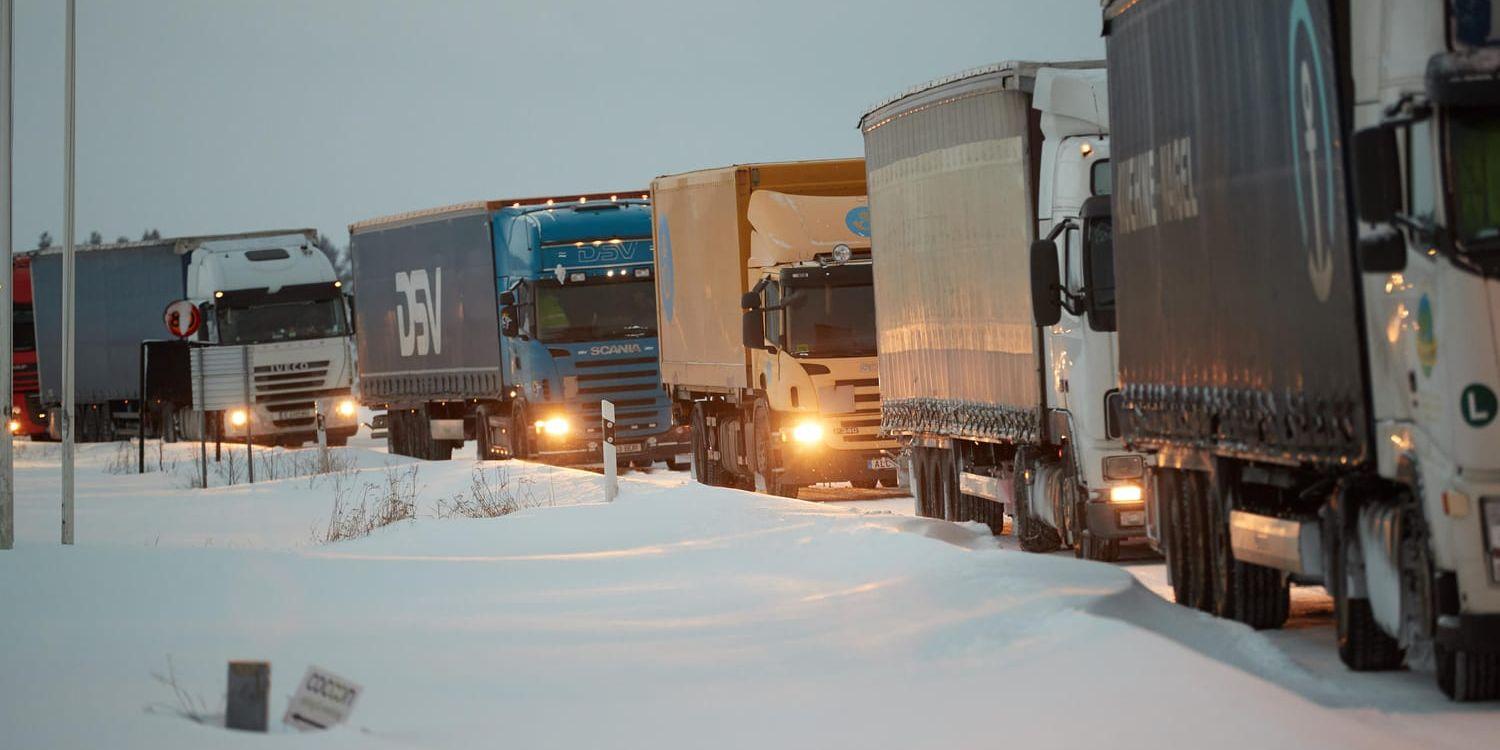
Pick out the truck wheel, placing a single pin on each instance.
(1169, 501)
(705, 470)
(1363, 645)
(945, 484)
(1033, 535)
(765, 463)
(1197, 565)
(520, 433)
(1248, 593)
(919, 490)
(1467, 676)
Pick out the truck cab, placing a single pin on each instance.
(578, 326)
(810, 330)
(27, 416)
(1073, 272)
(279, 297)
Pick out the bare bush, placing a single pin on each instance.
(377, 506)
(490, 496)
(183, 703)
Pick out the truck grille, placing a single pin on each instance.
(634, 386)
(861, 429)
(290, 396)
(24, 378)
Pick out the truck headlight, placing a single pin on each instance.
(555, 427)
(1124, 467)
(239, 417)
(808, 432)
(347, 408)
(15, 426)
(1125, 493)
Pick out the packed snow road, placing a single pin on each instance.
(678, 616)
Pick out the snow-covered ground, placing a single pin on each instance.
(678, 616)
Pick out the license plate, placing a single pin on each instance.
(298, 413)
(627, 447)
(883, 463)
(1133, 518)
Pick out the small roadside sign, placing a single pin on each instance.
(611, 470)
(182, 318)
(323, 699)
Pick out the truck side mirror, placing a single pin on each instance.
(507, 299)
(750, 301)
(349, 307)
(510, 321)
(1377, 174)
(753, 329)
(1383, 251)
(1046, 304)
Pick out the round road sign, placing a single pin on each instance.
(182, 318)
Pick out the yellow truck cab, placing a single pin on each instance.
(767, 321)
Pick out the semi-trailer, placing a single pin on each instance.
(274, 293)
(768, 324)
(508, 322)
(995, 302)
(1309, 244)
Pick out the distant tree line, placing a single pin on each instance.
(97, 238)
(338, 256)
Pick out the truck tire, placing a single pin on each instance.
(1252, 594)
(1363, 645)
(946, 482)
(705, 469)
(1196, 560)
(1467, 676)
(1169, 503)
(766, 478)
(1033, 535)
(918, 481)
(520, 432)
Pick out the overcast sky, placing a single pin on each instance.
(207, 116)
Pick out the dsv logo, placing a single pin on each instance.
(419, 322)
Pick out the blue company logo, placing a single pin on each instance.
(858, 220)
(1311, 124)
(664, 266)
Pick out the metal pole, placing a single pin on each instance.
(249, 414)
(140, 435)
(7, 295)
(68, 362)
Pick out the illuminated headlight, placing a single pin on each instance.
(347, 408)
(842, 254)
(15, 426)
(239, 417)
(1124, 467)
(555, 427)
(807, 432)
(1125, 493)
(1491, 506)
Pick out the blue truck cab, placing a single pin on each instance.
(577, 312)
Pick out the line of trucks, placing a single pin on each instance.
(1234, 289)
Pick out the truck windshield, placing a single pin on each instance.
(594, 312)
(835, 319)
(1475, 139)
(285, 321)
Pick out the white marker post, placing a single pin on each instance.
(611, 471)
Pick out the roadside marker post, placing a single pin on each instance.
(611, 470)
